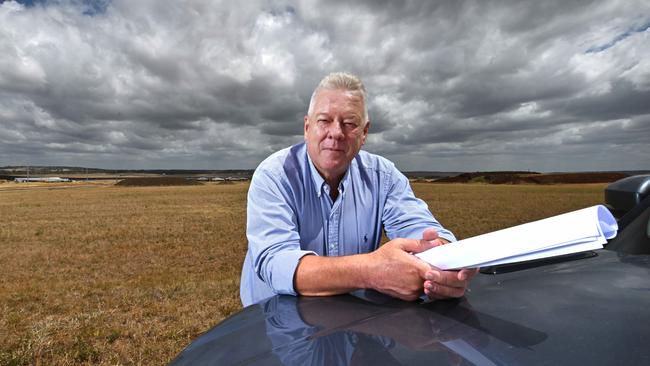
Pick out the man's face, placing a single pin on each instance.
(335, 131)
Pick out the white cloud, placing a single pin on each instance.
(459, 85)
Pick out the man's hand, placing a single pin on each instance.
(391, 269)
(441, 284)
(431, 235)
(396, 272)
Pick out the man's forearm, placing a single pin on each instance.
(324, 276)
(391, 269)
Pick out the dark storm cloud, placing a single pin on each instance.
(453, 85)
(622, 101)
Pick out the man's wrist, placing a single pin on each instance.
(366, 262)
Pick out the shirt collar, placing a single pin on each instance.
(318, 180)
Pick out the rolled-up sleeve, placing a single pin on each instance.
(272, 232)
(406, 216)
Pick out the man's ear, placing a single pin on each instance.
(305, 127)
(365, 132)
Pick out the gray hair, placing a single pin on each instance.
(343, 81)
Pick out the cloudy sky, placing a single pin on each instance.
(454, 85)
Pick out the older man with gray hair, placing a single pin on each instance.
(316, 211)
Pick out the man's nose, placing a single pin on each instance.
(335, 130)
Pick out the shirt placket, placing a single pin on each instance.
(333, 229)
(332, 211)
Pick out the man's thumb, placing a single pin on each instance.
(417, 246)
(430, 234)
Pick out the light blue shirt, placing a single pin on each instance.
(290, 214)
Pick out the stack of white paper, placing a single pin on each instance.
(572, 232)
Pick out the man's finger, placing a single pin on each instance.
(416, 246)
(438, 291)
(467, 274)
(430, 234)
(445, 278)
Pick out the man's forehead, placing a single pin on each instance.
(326, 92)
(349, 99)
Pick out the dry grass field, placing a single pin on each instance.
(130, 275)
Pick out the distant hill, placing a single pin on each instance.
(534, 177)
(423, 174)
(496, 177)
(156, 181)
(10, 172)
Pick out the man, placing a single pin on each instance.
(316, 212)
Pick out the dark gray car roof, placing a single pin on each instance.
(589, 311)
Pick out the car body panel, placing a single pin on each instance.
(588, 311)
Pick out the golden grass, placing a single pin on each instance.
(116, 275)
(473, 209)
(130, 275)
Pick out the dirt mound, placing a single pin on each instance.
(576, 178)
(156, 181)
(487, 177)
(532, 178)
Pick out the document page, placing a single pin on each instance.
(572, 232)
